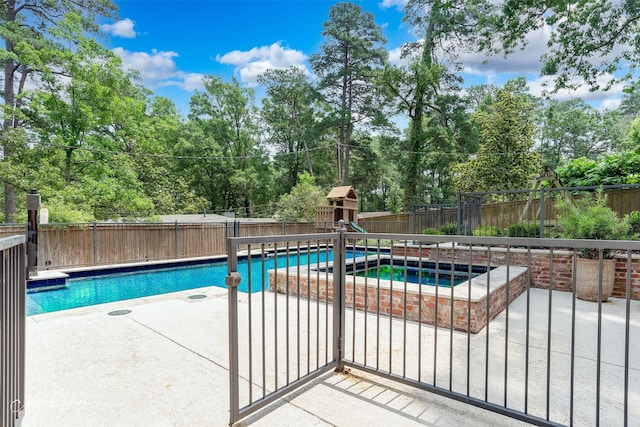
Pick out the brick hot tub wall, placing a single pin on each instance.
(540, 268)
(419, 306)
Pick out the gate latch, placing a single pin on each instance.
(233, 279)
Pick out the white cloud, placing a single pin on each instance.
(158, 69)
(122, 28)
(395, 57)
(252, 63)
(521, 61)
(193, 81)
(610, 104)
(385, 4)
(537, 87)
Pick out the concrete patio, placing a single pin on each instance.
(166, 364)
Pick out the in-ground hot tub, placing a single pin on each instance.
(466, 306)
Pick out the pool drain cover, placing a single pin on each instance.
(198, 296)
(119, 312)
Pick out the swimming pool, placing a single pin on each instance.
(86, 291)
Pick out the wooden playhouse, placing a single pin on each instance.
(342, 204)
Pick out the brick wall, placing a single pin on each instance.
(419, 307)
(543, 271)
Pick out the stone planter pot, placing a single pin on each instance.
(587, 277)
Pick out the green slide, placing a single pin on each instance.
(357, 227)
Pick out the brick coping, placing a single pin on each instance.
(497, 277)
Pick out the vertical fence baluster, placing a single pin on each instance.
(549, 317)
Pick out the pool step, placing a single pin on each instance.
(47, 281)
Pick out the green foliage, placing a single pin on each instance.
(524, 229)
(301, 203)
(394, 198)
(353, 47)
(450, 229)
(633, 219)
(571, 129)
(488, 230)
(505, 160)
(620, 168)
(553, 232)
(584, 38)
(430, 230)
(224, 161)
(439, 131)
(33, 43)
(592, 218)
(292, 114)
(62, 212)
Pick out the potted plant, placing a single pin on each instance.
(592, 218)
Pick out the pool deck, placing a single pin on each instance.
(166, 364)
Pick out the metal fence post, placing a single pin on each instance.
(414, 218)
(232, 281)
(542, 209)
(339, 279)
(459, 213)
(33, 203)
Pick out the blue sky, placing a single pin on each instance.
(175, 43)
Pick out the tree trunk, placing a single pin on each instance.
(9, 120)
(411, 195)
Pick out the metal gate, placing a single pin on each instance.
(12, 328)
(281, 336)
(544, 358)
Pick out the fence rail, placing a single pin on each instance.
(515, 339)
(12, 328)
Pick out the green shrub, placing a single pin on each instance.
(592, 218)
(553, 232)
(430, 230)
(449, 229)
(633, 219)
(524, 229)
(488, 230)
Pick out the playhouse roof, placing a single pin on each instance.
(345, 192)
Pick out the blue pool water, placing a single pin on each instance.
(86, 291)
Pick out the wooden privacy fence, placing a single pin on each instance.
(90, 244)
(486, 209)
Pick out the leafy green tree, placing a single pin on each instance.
(630, 104)
(86, 116)
(591, 41)
(155, 165)
(366, 169)
(30, 48)
(301, 203)
(352, 50)
(444, 28)
(505, 160)
(221, 154)
(621, 168)
(291, 115)
(570, 130)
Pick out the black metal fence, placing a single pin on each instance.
(515, 339)
(12, 328)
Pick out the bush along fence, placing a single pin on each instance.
(519, 213)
